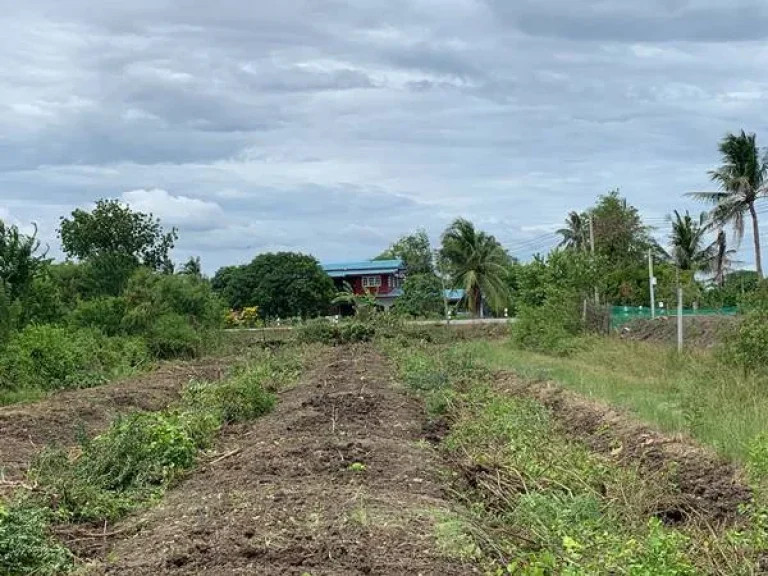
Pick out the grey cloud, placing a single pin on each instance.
(627, 20)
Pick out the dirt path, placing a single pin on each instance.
(25, 429)
(296, 500)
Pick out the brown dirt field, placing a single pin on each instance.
(698, 331)
(287, 502)
(709, 487)
(25, 429)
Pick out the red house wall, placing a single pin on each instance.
(357, 284)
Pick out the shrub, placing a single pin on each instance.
(50, 357)
(171, 336)
(549, 328)
(242, 397)
(325, 332)
(26, 546)
(105, 313)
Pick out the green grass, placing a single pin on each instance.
(535, 502)
(692, 394)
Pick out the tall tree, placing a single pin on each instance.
(576, 232)
(281, 285)
(192, 267)
(112, 228)
(415, 252)
(689, 248)
(19, 260)
(477, 263)
(742, 181)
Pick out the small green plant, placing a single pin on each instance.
(26, 548)
(357, 467)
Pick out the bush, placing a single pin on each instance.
(26, 546)
(50, 357)
(242, 397)
(171, 336)
(105, 313)
(549, 328)
(138, 454)
(747, 345)
(325, 332)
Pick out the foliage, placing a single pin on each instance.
(105, 313)
(422, 296)
(172, 336)
(414, 250)
(282, 285)
(476, 263)
(363, 304)
(736, 287)
(19, 260)
(747, 346)
(113, 228)
(48, 357)
(320, 330)
(576, 233)
(689, 248)
(26, 548)
(741, 180)
(240, 398)
(550, 328)
(42, 303)
(192, 267)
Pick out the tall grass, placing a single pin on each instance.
(692, 393)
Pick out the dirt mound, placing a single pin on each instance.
(333, 482)
(698, 331)
(26, 429)
(709, 486)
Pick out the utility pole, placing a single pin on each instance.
(652, 282)
(679, 314)
(445, 294)
(592, 251)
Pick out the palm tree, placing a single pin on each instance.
(688, 240)
(742, 180)
(477, 263)
(575, 232)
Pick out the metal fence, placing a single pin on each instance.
(620, 315)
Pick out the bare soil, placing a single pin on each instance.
(698, 331)
(710, 488)
(338, 480)
(25, 429)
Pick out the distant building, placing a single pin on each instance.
(382, 278)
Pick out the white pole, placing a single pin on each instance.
(592, 251)
(679, 314)
(651, 281)
(679, 318)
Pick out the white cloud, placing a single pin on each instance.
(180, 211)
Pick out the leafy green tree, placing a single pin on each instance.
(742, 181)
(114, 240)
(19, 260)
(576, 232)
(422, 296)
(284, 285)
(415, 252)
(477, 263)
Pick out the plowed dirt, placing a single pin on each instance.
(709, 487)
(26, 429)
(337, 481)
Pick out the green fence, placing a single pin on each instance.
(620, 315)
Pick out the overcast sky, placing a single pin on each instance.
(332, 127)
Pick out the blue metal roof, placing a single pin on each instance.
(455, 294)
(341, 269)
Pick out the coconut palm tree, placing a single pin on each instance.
(477, 263)
(575, 232)
(742, 181)
(690, 250)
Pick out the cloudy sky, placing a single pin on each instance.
(332, 127)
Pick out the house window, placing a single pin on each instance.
(371, 281)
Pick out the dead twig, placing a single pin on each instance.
(225, 456)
